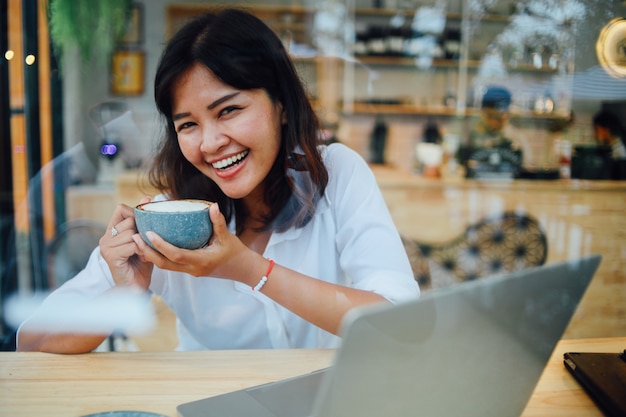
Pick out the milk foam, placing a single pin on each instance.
(175, 206)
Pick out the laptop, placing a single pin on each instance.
(603, 377)
(472, 349)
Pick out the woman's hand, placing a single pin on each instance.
(224, 257)
(120, 251)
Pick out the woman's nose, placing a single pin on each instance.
(212, 140)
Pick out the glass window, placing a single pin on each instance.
(467, 111)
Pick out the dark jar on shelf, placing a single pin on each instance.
(452, 44)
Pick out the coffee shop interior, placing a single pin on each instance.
(405, 83)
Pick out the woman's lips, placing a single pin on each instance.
(230, 166)
(230, 161)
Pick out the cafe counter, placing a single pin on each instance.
(579, 217)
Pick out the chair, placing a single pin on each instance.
(419, 263)
(497, 244)
(69, 250)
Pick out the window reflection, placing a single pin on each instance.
(409, 65)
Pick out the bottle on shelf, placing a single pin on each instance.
(452, 44)
(564, 157)
(378, 141)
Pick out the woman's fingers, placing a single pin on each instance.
(168, 256)
(119, 233)
(121, 252)
(122, 211)
(217, 219)
(123, 218)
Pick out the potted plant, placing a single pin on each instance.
(91, 26)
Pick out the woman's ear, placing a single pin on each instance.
(283, 115)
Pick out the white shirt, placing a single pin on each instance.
(351, 241)
(618, 150)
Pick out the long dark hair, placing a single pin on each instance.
(246, 54)
(610, 121)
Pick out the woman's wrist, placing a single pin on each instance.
(265, 276)
(248, 268)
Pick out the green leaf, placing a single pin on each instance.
(91, 25)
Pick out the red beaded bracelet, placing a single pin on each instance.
(263, 280)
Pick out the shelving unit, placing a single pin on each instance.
(333, 82)
(394, 67)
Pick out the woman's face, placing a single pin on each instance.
(232, 136)
(602, 134)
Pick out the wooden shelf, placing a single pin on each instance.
(367, 108)
(369, 11)
(317, 58)
(404, 61)
(444, 63)
(423, 110)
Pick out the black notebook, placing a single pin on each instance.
(603, 376)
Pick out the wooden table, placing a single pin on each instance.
(557, 393)
(41, 384)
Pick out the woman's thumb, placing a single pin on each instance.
(217, 219)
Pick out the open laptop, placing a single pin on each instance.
(473, 349)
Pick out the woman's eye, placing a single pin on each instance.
(183, 126)
(228, 110)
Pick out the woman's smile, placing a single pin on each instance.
(231, 161)
(230, 166)
(233, 136)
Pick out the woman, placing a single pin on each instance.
(239, 131)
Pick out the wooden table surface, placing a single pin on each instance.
(557, 393)
(41, 384)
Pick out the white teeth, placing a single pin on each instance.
(226, 162)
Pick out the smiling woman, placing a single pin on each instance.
(301, 233)
(232, 137)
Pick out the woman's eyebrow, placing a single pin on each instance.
(222, 99)
(180, 116)
(210, 107)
